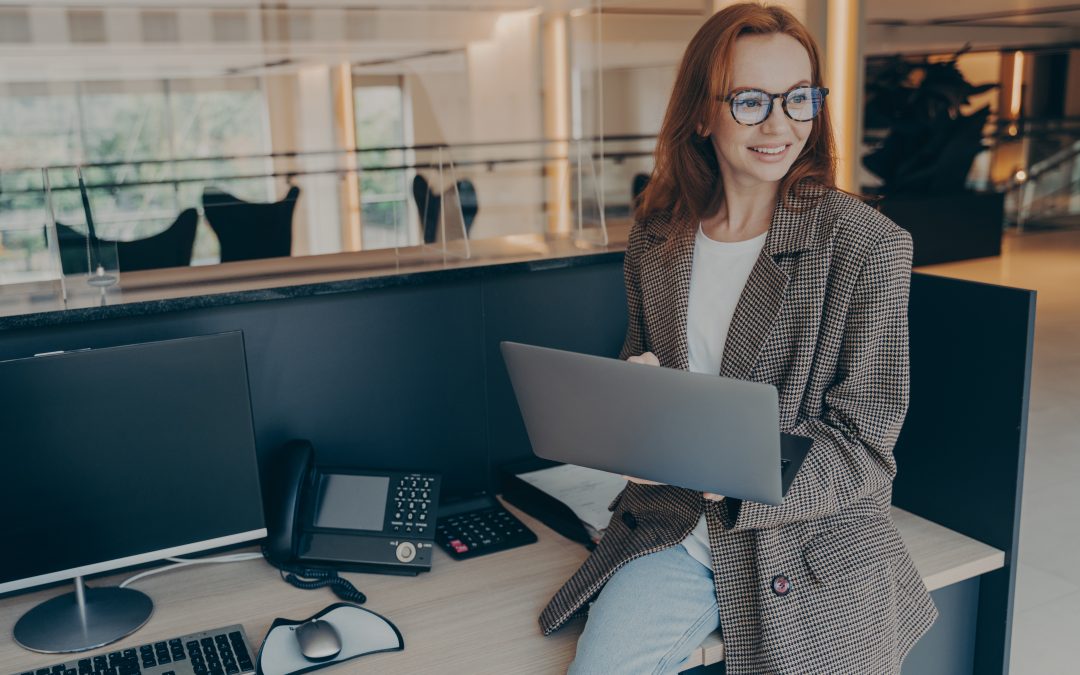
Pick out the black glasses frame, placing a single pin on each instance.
(772, 97)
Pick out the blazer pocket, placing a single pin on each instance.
(851, 547)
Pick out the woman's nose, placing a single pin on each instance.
(776, 120)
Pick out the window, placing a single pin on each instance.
(134, 129)
(380, 123)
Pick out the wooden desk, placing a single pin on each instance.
(476, 616)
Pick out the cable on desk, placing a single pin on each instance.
(187, 562)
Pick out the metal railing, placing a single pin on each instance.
(1049, 192)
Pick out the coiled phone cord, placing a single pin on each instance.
(311, 578)
(342, 588)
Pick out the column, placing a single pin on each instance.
(556, 67)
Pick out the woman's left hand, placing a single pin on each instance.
(711, 496)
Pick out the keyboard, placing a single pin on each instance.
(222, 651)
(478, 526)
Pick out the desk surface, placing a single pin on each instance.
(474, 616)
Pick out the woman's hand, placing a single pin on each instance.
(711, 496)
(648, 359)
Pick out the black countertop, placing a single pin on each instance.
(177, 294)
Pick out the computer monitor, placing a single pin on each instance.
(117, 457)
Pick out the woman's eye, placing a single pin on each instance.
(797, 98)
(748, 103)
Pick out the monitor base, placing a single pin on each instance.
(84, 619)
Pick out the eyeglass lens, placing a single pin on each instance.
(802, 104)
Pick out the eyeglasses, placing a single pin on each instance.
(753, 106)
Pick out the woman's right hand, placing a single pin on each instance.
(648, 359)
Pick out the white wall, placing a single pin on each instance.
(505, 105)
(301, 118)
(438, 89)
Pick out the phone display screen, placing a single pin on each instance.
(349, 502)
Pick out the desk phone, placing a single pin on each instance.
(349, 519)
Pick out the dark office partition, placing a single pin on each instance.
(581, 309)
(381, 378)
(949, 227)
(961, 451)
(949, 647)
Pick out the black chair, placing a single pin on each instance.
(467, 197)
(430, 204)
(247, 230)
(171, 247)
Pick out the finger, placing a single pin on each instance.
(647, 359)
(713, 497)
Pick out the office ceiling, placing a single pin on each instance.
(1014, 13)
(908, 10)
(932, 25)
(134, 39)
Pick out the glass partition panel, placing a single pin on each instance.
(628, 163)
(334, 110)
(87, 259)
(29, 273)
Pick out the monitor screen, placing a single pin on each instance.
(124, 455)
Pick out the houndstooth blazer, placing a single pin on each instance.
(823, 582)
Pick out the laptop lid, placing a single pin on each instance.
(693, 430)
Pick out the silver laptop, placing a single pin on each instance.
(697, 431)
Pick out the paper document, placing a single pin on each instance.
(587, 492)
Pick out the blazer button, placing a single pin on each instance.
(629, 520)
(781, 585)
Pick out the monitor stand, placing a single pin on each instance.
(86, 619)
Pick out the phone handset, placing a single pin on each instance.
(293, 469)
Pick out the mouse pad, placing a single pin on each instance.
(362, 632)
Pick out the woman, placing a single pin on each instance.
(746, 261)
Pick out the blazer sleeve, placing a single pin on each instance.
(636, 340)
(864, 408)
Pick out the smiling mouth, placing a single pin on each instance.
(770, 150)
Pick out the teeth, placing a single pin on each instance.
(770, 151)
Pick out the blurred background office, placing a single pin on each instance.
(226, 131)
(515, 116)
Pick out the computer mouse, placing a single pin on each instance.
(318, 640)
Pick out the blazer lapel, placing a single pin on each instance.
(759, 306)
(665, 287)
(668, 294)
(757, 311)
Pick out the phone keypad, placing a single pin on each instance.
(412, 501)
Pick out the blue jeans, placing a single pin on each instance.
(652, 614)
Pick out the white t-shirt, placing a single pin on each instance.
(719, 274)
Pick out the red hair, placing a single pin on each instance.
(686, 175)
